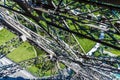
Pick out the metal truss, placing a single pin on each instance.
(52, 32)
(84, 19)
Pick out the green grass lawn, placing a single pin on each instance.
(5, 36)
(23, 52)
(114, 51)
(86, 44)
(33, 70)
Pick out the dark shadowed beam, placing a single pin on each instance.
(116, 2)
(50, 23)
(37, 19)
(110, 6)
(27, 9)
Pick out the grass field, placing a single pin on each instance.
(114, 51)
(5, 36)
(86, 44)
(33, 70)
(23, 52)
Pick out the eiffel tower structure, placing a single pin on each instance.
(57, 27)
